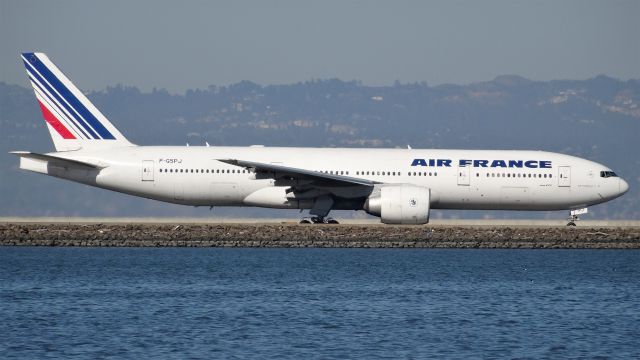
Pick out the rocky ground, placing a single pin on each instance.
(321, 236)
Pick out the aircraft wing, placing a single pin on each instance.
(313, 177)
(57, 160)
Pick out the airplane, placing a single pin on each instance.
(400, 186)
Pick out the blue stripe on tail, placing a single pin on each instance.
(76, 126)
(50, 91)
(69, 97)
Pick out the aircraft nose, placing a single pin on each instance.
(624, 187)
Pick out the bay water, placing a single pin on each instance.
(318, 303)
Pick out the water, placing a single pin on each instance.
(318, 303)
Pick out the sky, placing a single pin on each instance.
(179, 45)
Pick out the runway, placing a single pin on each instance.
(368, 222)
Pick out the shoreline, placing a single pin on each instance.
(291, 235)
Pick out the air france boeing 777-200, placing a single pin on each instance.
(400, 186)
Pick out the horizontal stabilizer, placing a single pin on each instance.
(57, 160)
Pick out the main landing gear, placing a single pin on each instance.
(318, 220)
(573, 216)
(321, 207)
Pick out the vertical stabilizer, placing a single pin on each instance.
(73, 121)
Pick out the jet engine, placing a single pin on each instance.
(400, 204)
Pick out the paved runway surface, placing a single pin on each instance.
(204, 220)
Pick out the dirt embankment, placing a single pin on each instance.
(321, 236)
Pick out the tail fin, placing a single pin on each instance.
(73, 121)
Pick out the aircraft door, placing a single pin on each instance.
(147, 170)
(564, 176)
(463, 175)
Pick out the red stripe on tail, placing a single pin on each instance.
(55, 123)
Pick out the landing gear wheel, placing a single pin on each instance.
(572, 220)
(318, 220)
(573, 216)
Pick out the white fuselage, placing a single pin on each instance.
(398, 185)
(194, 176)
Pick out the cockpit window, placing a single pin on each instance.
(606, 174)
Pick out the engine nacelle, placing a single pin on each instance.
(401, 204)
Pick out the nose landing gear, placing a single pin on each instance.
(573, 216)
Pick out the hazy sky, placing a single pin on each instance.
(191, 44)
